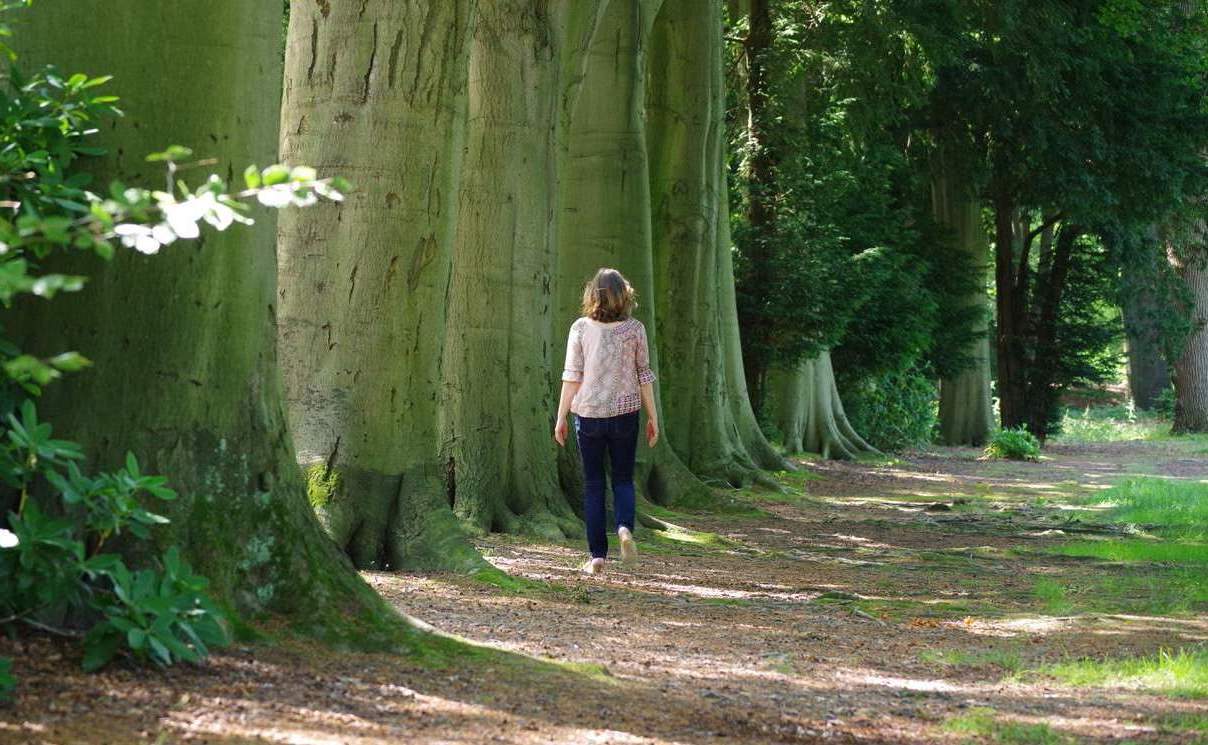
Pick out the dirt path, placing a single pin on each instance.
(871, 603)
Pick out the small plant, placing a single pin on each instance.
(1014, 444)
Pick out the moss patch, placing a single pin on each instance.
(322, 484)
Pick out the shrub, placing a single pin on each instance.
(893, 411)
(1014, 444)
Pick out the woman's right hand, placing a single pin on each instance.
(560, 432)
(652, 431)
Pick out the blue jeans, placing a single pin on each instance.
(618, 436)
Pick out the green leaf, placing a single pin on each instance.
(251, 176)
(100, 645)
(70, 361)
(275, 174)
(174, 153)
(136, 638)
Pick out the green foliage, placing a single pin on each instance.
(1014, 444)
(893, 411)
(851, 261)
(55, 565)
(7, 682)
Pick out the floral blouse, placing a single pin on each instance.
(610, 361)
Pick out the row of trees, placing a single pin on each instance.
(1056, 146)
(403, 345)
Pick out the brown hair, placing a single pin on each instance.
(608, 297)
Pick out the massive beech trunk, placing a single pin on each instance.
(1148, 374)
(966, 413)
(498, 352)
(1191, 370)
(185, 372)
(809, 412)
(709, 420)
(376, 92)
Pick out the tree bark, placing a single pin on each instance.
(1191, 370)
(761, 190)
(966, 411)
(1148, 374)
(1012, 385)
(710, 423)
(185, 372)
(810, 413)
(499, 331)
(377, 93)
(1042, 392)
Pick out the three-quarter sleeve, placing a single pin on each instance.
(642, 358)
(573, 369)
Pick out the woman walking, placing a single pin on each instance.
(605, 382)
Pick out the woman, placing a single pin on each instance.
(607, 379)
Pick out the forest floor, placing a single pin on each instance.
(932, 597)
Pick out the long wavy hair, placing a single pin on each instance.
(609, 297)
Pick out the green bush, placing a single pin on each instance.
(1014, 444)
(894, 411)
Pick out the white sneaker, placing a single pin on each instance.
(594, 566)
(629, 548)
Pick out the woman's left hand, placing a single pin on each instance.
(560, 432)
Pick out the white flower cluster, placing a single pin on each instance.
(8, 539)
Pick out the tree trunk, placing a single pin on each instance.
(709, 420)
(1012, 385)
(966, 412)
(761, 191)
(498, 336)
(810, 414)
(1042, 392)
(1191, 369)
(185, 372)
(376, 92)
(1148, 375)
(603, 216)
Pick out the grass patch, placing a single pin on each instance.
(1137, 550)
(1052, 596)
(1007, 659)
(1110, 424)
(984, 723)
(1182, 673)
(1174, 510)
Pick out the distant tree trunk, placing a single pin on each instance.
(377, 93)
(966, 412)
(185, 371)
(1010, 316)
(1191, 370)
(1148, 374)
(1042, 390)
(809, 412)
(760, 173)
(709, 420)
